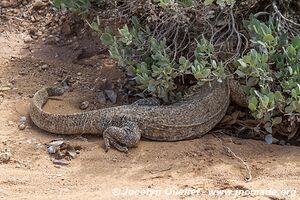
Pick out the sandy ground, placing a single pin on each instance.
(194, 169)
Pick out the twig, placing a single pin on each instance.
(247, 179)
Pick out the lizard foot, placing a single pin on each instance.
(121, 138)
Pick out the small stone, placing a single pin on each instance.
(38, 4)
(11, 123)
(38, 146)
(24, 15)
(72, 153)
(23, 120)
(60, 162)
(79, 74)
(51, 149)
(101, 97)
(112, 95)
(32, 19)
(18, 166)
(21, 126)
(84, 105)
(43, 67)
(282, 142)
(5, 157)
(3, 89)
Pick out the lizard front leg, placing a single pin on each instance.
(127, 135)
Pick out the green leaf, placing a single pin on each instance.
(57, 3)
(240, 73)
(208, 2)
(291, 51)
(288, 109)
(252, 81)
(136, 23)
(294, 93)
(268, 38)
(296, 42)
(253, 103)
(279, 96)
(182, 60)
(107, 39)
(268, 127)
(276, 121)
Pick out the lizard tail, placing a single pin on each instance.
(77, 123)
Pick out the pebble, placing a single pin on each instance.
(101, 97)
(5, 157)
(11, 123)
(23, 119)
(281, 142)
(43, 67)
(38, 4)
(114, 159)
(60, 162)
(112, 95)
(84, 105)
(21, 126)
(32, 19)
(27, 39)
(3, 89)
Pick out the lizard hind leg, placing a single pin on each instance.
(122, 137)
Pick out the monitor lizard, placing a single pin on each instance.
(123, 126)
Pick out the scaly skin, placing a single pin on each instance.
(123, 126)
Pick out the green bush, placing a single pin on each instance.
(77, 6)
(148, 61)
(271, 70)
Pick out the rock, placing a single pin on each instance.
(84, 105)
(54, 146)
(281, 142)
(38, 4)
(23, 120)
(72, 153)
(270, 139)
(60, 162)
(21, 126)
(43, 67)
(32, 19)
(27, 39)
(101, 97)
(52, 150)
(3, 89)
(18, 166)
(5, 157)
(11, 123)
(112, 95)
